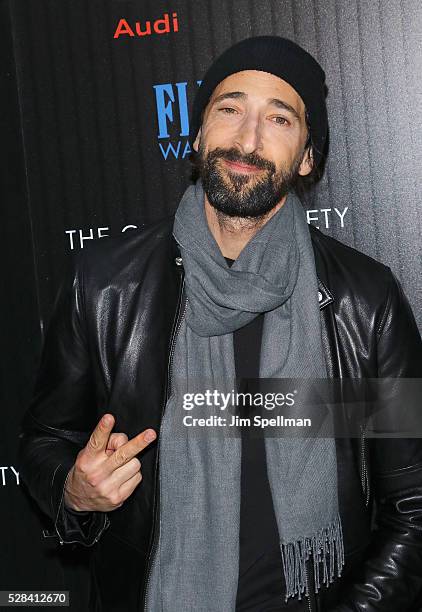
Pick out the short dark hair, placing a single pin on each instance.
(302, 184)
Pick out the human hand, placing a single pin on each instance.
(106, 470)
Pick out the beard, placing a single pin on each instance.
(244, 195)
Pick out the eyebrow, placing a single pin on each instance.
(240, 95)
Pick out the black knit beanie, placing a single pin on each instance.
(278, 56)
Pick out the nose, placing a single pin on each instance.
(249, 137)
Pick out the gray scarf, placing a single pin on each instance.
(196, 562)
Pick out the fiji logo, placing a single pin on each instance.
(173, 119)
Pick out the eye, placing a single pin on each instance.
(280, 120)
(227, 110)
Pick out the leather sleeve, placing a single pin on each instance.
(391, 577)
(61, 415)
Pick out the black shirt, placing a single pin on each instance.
(261, 584)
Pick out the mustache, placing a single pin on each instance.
(233, 155)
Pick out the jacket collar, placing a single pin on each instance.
(325, 296)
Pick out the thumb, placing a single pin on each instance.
(97, 442)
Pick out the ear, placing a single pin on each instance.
(195, 145)
(307, 162)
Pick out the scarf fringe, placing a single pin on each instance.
(326, 548)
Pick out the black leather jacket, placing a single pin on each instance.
(107, 350)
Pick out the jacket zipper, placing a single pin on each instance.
(308, 597)
(364, 470)
(153, 542)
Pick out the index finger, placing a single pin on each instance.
(99, 437)
(127, 451)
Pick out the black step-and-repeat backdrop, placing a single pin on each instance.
(95, 122)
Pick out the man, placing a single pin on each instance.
(236, 285)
